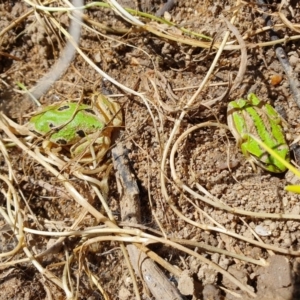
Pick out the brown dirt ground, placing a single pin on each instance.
(133, 59)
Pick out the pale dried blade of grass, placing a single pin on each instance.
(243, 64)
(42, 160)
(179, 120)
(287, 22)
(124, 14)
(66, 280)
(207, 200)
(65, 58)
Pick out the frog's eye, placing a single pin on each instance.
(61, 142)
(81, 133)
(64, 107)
(51, 125)
(90, 111)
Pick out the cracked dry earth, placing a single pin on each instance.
(168, 72)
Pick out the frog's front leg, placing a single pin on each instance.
(101, 146)
(92, 148)
(245, 150)
(48, 147)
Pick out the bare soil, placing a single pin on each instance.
(168, 72)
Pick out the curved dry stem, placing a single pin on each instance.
(140, 237)
(181, 248)
(212, 200)
(14, 218)
(179, 120)
(243, 64)
(124, 14)
(42, 160)
(76, 195)
(94, 279)
(66, 280)
(15, 23)
(105, 75)
(66, 56)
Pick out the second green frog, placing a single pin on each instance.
(253, 117)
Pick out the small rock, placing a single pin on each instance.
(275, 281)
